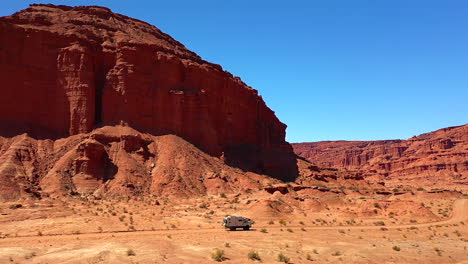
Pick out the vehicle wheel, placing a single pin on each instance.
(232, 228)
(246, 227)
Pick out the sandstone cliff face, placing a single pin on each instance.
(67, 70)
(439, 157)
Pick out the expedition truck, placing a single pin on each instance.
(233, 221)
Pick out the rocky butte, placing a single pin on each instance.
(66, 71)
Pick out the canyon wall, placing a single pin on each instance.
(67, 70)
(441, 155)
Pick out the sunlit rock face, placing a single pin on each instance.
(67, 70)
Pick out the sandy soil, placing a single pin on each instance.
(189, 231)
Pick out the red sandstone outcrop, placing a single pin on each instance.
(435, 158)
(67, 70)
(115, 161)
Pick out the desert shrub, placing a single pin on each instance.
(263, 230)
(131, 252)
(271, 222)
(218, 255)
(283, 258)
(290, 230)
(15, 206)
(30, 255)
(223, 195)
(336, 253)
(253, 255)
(301, 222)
(309, 257)
(282, 222)
(379, 223)
(396, 248)
(377, 205)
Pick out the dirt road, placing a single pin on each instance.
(352, 244)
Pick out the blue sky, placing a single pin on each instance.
(331, 70)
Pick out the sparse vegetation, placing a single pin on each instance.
(283, 258)
(336, 253)
(396, 248)
(218, 255)
(263, 230)
(253, 255)
(30, 255)
(15, 206)
(131, 252)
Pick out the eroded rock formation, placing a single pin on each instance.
(115, 161)
(435, 158)
(67, 70)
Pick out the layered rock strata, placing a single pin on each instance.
(433, 157)
(67, 70)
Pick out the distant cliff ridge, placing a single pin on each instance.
(437, 156)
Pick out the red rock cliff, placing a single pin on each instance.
(435, 157)
(66, 70)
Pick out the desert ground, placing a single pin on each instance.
(330, 229)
